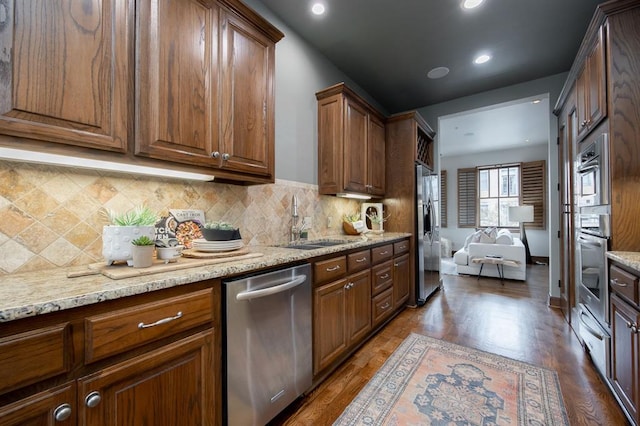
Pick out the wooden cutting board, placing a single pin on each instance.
(121, 271)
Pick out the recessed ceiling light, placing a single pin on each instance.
(318, 9)
(438, 72)
(482, 59)
(536, 101)
(470, 4)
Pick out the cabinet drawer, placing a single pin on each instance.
(624, 283)
(382, 306)
(35, 355)
(330, 269)
(382, 253)
(382, 277)
(358, 261)
(400, 247)
(119, 331)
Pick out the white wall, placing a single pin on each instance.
(538, 239)
(301, 71)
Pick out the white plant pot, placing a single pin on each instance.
(116, 241)
(142, 256)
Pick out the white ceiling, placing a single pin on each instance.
(516, 124)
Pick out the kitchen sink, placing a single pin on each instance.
(313, 245)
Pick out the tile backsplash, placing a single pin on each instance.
(51, 216)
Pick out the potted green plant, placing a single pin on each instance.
(142, 251)
(352, 223)
(123, 228)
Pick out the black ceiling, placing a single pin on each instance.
(388, 46)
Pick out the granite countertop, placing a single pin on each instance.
(36, 293)
(627, 258)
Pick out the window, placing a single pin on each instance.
(485, 194)
(443, 198)
(499, 188)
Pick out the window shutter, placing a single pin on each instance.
(533, 192)
(443, 198)
(467, 197)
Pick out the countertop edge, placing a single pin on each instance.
(30, 294)
(627, 258)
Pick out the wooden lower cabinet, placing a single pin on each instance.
(625, 348)
(401, 280)
(342, 317)
(53, 406)
(170, 385)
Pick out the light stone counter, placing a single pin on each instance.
(37, 293)
(627, 258)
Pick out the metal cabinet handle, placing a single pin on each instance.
(615, 281)
(402, 248)
(92, 399)
(215, 154)
(335, 268)
(161, 321)
(225, 156)
(348, 286)
(364, 259)
(385, 306)
(384, 277)
(62, 412)
(382, 253)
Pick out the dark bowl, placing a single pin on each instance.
(220, 234)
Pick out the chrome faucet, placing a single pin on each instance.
(295, 230)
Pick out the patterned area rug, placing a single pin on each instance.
(428, 381)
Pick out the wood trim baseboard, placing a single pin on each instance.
(554, 302)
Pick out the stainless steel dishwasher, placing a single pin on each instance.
(267, 337)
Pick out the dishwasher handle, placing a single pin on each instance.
(248, 295)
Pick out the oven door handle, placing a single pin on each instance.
(591, 331)
(586, 242)
(248, 295)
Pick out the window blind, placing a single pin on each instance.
(467, 197)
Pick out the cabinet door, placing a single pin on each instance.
(66, 74)
(355, 147)
(247, 98)
(376, 157)
(172, 385)
(597, 106)
(329, 326)
(330, 153)
(401, 281)
(176, 81)
(624, 356)
(51, 407)
(358, 301)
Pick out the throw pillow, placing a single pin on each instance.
(504, 237)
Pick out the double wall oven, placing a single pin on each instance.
(592, 243)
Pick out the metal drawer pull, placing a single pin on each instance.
(161, 321)
(382, 253)
(93, 399)
(384, 277)
(402, 248)
(364, 259)
(616, 282)
(348, 286)
(335, 268)
(385, 306)
(62, 412)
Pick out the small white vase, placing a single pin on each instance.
(116, 241)
(142, 256)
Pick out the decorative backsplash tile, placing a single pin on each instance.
(51, 216)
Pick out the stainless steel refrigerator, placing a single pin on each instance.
(427, 233)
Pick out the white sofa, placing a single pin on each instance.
(514, 251)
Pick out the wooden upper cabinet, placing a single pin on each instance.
(205, 87)
(176, 80)
(351, 144)
(591, 90)
(247, 98)
(66, 72)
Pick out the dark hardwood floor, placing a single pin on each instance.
(512, 320)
